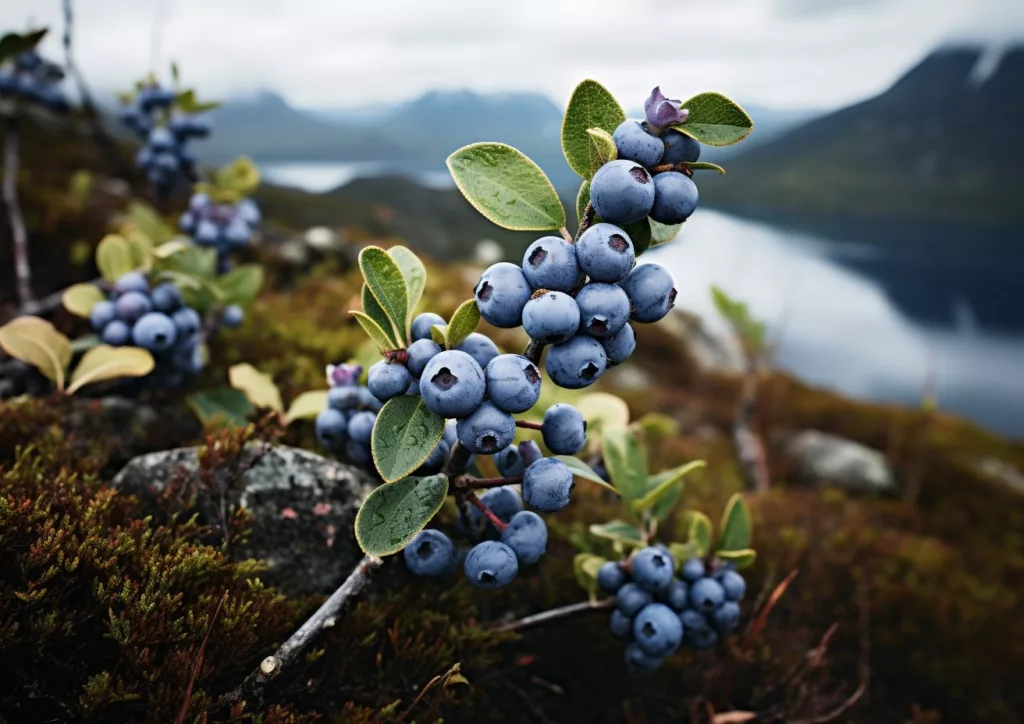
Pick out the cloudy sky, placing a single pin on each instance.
(342, 53)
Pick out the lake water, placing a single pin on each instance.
(318, 177)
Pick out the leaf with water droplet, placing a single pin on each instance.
(404, 435)
(393, 514)
(384, 278)
(715, 120)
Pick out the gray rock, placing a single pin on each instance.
(713, 351)
(832, 460)
(303, 507)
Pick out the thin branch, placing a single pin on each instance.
(762, 615)
(468, 481)
(527, 425)
(681, 167)
(533, 351)
(488, 513)
(586, 221)
(555, 614)
(19, 236)
(198, 666)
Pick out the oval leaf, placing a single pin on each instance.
(80, 298)
(373, 310)
(705, 166)
(439, 333)
(381, 341)
(110, 363)
(242, 284)
(603, 411)
(240, 177)
(590, 106)
(602, 145)
(393, 514)
(37, 342)
(384, 278)
(306, 406)
(415, 275)
(404, 435)
(715, 120)
(141, 248)
(506, 187)
(257, 386)
(585, 566)
(463, 323)
(114, 257)
(741, 559)
(148, 221)
(583, 471)
(700, 533)
(221, 407)
(668, 483)
(682, 552)
(582, 199)
(170, 248)
(621, 532)
(626, 462)
(736, 527)
(663, 233)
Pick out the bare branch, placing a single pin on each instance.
(556, 613)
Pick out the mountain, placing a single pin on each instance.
(942, 144)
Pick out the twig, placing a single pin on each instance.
(586, 221)
(533, 351)
(762, 615)
(197, 667)
(556, 613)
(300, 640)
(488, 513)
(527, 425)
(468, 481)
(19, 237)
(681, 167)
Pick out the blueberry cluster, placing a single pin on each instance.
(656, 611)
(579, 298)
(222, 226)
(157, 319)
(165, 133)
(35, 80)
(346, 424)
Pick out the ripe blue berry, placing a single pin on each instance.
(491, 565)
(232, 316)
(631, 598)
(677, 595)
(551, 317)
(547, 485)
(487, 429)
(480, 348)
(332, 429)
(576, 363)
(604, 309)
(653, 569)
(726, 617)
(658, 630)
(732, 583)
(187, 321)
(697, 632)
(435, 460)
(530, 453)
(237, 232)
(651, 292)
(513, 383)
(527, 535)
(413, 388)
(249, 212)
(550, 263)
(386, 380)
(564, 429)
(422, 323)
(605, 253)
(207, 233)
(188, 356)
(693, 570)
(131, 305)
(635, 144)
(620, 346)
(360, 426)
(452, 384)
(167, 298)
(509, 462)
(706, 594)
(102, 314)
(343, 398)
(639, 662)
(621, 626)
(622, 192)
(610, 577)
(430, 553)
(420, 352)
(116, 333)
(359, 452)
(675, 198)
(131, 282)
(367, 400)
(679, 147)
(154, 331)
(501, 294)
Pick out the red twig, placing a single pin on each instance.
(527, 425)
(479, 504)
(197, 667)
(469, 481)
(762, 616)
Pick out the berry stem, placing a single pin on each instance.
(488, 513)
(556, 613)
(588, 219)
(527, 425)
(19, 236)
(681, 167)
(470, 482)
(533, 351)
(457, 459)
(566, 235)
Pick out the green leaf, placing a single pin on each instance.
(193, 260)
(415, 275)
(639, 232)
(586, 566)
(602, 145)
(705, 166)
(373, 310)
(110, 363)
(626, 463)
(404, 435)
(439, 333)
(590, 106)
(663, 233)
(741, 559)
(715, 120)
(682, 552)
(79, 299)
(384, 278)
(257, 386)
(620, 531)
(37, 342)
(392, 515)
(240, 177)
(462, 324)
(506, 187)
(242, 284)
(700, 532)
(582, 199)
(735, 530)
(583, 471)
(668, 483)
(12, 44)
(221, 407)
(170, 248)
(114, 257)
(603, 411)
(85, 343)
(377, 335)
(147, 220)
(306, 406)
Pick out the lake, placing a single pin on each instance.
(318, 177)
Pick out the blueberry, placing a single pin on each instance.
(679, 147)
(697, 632)
(564, 429)
(726, 617)
(530, 453)
(509, 462)
(621, 626)
(422, 323)
(359, 452)
(620, 346)
(706, 594)
(576, 363)
(237, 232)
(657, 629)
(360, 426)
(501, 294)
(198, 203)
(675, 198)
(452, 384)
(491, 565)
(435, 460)
(635, 144)
(249, 211)
(188, 356)
(187, 321)
(480, 348)
(420, 352)
(430, 553)
(653, 568)
(527, 535)
(161, 139)
(604, 309)
(367, 401)
(487, 429)
(610, 577)
(131, 282)
(130, 306)
(513, 383)
(386, 380)
(547, 485)
(606, 253)
(187, 222)
(343, 398)
(550, 263)
(639, 662)
(232, 316)
(676, 595)
(622, 192)
(504, 502)
(167, 298)
(331, 429)
(631, 598)
(102, 314)
(413, 388)
(693, 570)
(207, 233)
(154, 331)
(551, 317)
(732, 583)
(651, 291)
(116, 333)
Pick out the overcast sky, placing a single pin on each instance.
(342, 53)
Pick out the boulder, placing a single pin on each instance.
(832, 460)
